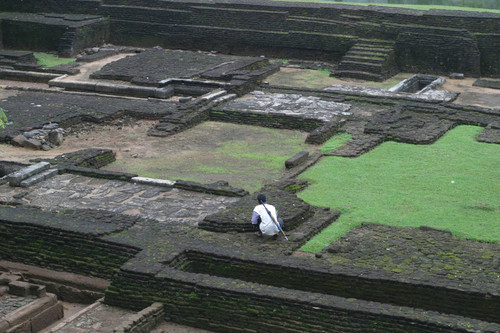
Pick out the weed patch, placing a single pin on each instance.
(51, 60)
(3, 118)
(335, 142)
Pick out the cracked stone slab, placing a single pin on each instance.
(290, 104)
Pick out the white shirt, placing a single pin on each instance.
(267, 225)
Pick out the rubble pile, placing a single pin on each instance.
(46, 138)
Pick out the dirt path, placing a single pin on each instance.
(470, 95)
(86, 69)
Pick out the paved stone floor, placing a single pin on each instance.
(102, 319)
(167, 205)
(9, 303)
(290, 104)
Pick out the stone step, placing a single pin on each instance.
(359, 75)
(38, 177)
(17, 177)
(368, 54)
(377, 42)
(361, 66)
(367, 48)
(363, 59)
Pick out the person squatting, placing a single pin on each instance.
(265, 219)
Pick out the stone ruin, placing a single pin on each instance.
(182, 250)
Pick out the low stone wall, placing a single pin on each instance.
(94, 158)
(227, 301)
(7, 167)
(217, 188)
(144, 321)
(276, 120)
(62, 242)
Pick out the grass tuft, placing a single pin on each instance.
(335, 142)
(3, 118)
(51, 60)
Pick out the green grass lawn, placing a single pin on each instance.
(453, 184)
(51, 60)
(416, 7)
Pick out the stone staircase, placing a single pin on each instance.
(31, 175)
(189, 114)
(369, 59)
(66, 43)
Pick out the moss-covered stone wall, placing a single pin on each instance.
(266, 120)
(231, 305)
(35, 36)
(68, 242)
(68, 34)
(293, 30)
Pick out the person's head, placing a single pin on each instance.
(261, 198)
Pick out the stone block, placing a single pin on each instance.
(165, 92)
(297, 159)
(47, 317)
(32, 144)
(153, 181)
(18, 140)
(35, 179)
(56, 137)
(19, 288)
(18, 176)
(487, 84)
(457, 76)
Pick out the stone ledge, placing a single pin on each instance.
(38, 313)
(153, 181)
(17, 75)
(89, 172)
(487, 84)
(218, 188)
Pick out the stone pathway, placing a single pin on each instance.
(102, 319)
(169, 206)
